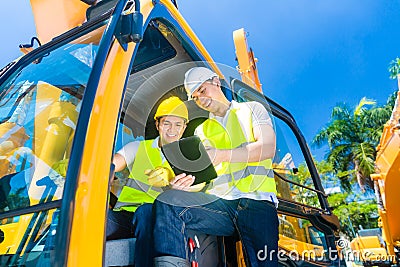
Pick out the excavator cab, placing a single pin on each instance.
(70, 104)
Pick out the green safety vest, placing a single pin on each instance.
(248, 177)
(137, 190)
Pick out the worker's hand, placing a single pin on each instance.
(196, 188)
(217, 155)
(182, 182)
(159, 176)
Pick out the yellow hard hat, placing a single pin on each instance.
(172, 106)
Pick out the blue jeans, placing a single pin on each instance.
(255, 221)
(125, 224)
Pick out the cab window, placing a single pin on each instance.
(40, 105)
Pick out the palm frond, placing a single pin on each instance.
(365, 154)
(361, 106)
(394, 68)
(341, 112)
(376, 117)
(340, 157)
(320, 138)
(391, 100)
(373, 136)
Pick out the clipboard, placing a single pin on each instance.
(188, 155)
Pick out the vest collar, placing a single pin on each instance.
(154, 144)
(233, 106)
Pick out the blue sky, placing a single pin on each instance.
(312, 54)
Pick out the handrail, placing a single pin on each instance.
(31, 209)
(303, 186)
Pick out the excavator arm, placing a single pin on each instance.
(246, 61)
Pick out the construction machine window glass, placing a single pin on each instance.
(291, 171)
(40, 105)
(300, 240)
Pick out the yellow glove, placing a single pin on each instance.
(159, 176)
(61, 167)
(58, 172)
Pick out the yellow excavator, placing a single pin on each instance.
(383, 249)
(90, 87)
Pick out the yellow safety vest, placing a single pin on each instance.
(248, 177)
(137, 190)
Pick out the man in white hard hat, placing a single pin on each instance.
(242, 200)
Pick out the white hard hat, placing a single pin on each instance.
(195, 77)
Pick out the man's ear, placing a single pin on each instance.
(217, 81)
(157, 124)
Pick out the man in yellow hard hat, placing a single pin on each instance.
(149, 173)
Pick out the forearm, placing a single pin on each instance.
(119, 162)
(262, 148)
(252, 152)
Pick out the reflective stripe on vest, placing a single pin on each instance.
(138, 185)
(247, 177)
(247, 171)
(137, 189)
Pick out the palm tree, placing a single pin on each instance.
(352, 136)
(394, 68)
